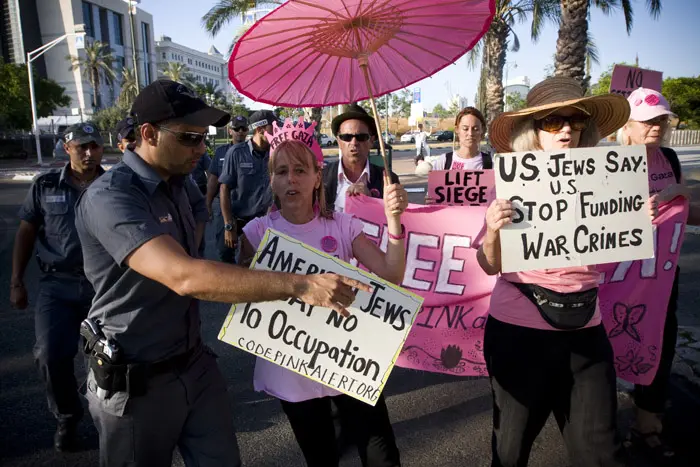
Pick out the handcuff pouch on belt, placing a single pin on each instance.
(565, 311)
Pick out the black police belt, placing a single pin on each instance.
(49, 269)
(133, 377)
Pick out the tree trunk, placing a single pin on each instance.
(481, 102)
(95, 88)
(570, 58)
(496, 44)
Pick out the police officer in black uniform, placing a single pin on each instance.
(159, 386)
(47, 219)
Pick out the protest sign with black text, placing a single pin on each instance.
(574, 207)
(461, 187)
(353, 355)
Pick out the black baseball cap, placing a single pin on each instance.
(169, 100)
(83, 133)
(239, 121)
(262, 118)
(125, 128)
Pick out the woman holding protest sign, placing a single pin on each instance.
(648, 124)
(538, 364)
(296, 163)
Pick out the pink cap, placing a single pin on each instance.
(647, 104)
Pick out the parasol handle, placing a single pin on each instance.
(365, 70)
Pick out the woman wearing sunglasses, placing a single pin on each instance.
(536, 367)
(648, 125)
(297, 187)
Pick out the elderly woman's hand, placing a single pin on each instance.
(499, 213)
(653, 206)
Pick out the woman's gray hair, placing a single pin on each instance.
(524, 136)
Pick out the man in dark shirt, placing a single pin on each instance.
(238, 130)
(47, 220)
(136, 227)
(245, 180)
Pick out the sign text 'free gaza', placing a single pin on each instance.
(574, 207)
(353, 355)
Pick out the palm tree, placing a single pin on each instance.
(97, 67)
(226, 11)
(494, 45)
(129, 88)
(176, 71)
(570, 58)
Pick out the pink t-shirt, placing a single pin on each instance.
(660, 172)
(273, 379)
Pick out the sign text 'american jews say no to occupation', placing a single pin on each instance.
(574, 207)
(353, 355)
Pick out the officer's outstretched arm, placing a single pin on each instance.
(22, 251)
(163, 260)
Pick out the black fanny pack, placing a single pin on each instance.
(564, 311)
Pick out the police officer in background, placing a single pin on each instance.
(161, 388)
(65, 294)
(126, 139)
(245, 180)
(238, 130)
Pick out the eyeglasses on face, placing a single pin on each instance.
(554, 123)
(347, 137)
(186, 138)
(661, 120)
(240, 128)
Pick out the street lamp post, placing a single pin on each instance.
(134, 57)
(31, 56)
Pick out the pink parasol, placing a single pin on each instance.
(312, 53)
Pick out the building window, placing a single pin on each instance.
(104, 26)
(88, 20)
(163, 55)
(117, 20)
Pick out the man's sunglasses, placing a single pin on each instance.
(186, 138)
(347, 137)
(240, 128)
(554, 123)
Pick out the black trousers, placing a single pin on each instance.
(652, 398)
(536, 372)
(369, 428)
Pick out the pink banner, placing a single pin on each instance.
(447, 335)
(441, 266)
(634, 298)
(462, 187)
(626, 79)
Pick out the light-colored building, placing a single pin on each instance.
(204, 67)
(519, 85)
(107, 21)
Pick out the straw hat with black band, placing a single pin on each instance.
(608, 111)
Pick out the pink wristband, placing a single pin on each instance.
(398, 237)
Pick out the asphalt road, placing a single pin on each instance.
(439, 420)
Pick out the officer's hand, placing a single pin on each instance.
(230, 238)
(358, 189)
(329, 291)
(18, 296)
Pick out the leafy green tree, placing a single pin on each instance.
(129, 88)
(96, 65)
(177, 71)
(107, 119)
(440, 112)
(684, 96)
(15, 108)
(514, 102)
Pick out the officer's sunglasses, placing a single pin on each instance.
(240, 128)
(347, 137)
(186, 138)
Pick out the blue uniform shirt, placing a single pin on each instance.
(199, 174)
(128, 206)
(217, 162)
(245, 171)
(50, 206)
